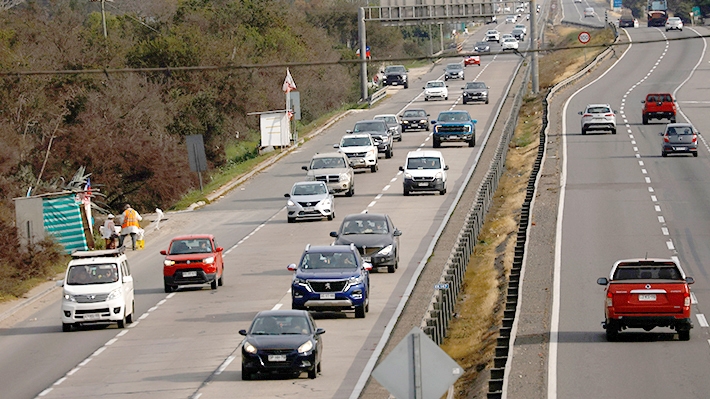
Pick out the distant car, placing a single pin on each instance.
(282, 341)
(415, 119)
(193, 259)
(658, 106)
(374, 235)
(598, 117)
(472, 60)
(454, 71)
(334, 169)
(454, 125)
(482, 47)
(626, 20)
(310, 200)
(680, 138)
(493, 36)
(674, 23)
(588, 12)
(331, 278)
(505, 36)
(393, 124)
(380, 133)
(510, 19)
(360, 149)
(577, 1)
(475, 91)
(424, 171)
(523, 27)
(519, 34)
(395, 75)
(510, 43)
(435, 89)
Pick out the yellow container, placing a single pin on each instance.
(140, 244)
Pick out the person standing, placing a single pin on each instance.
(130, 225)
(108, 232)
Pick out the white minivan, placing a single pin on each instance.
(98, 288)
(424, 171)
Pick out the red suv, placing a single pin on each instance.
(658, 106)
(192, 259)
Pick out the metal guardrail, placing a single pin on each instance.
(377, 96)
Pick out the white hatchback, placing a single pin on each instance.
(674, 23)
(435, 89)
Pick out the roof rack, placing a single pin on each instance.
(100, 253)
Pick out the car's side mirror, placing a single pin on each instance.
(433, 122)
(292, 267)
(243, 332)
(382, 71)
(602, 281)
(580, 112)
(334, 234)
(220, 249)
(474, 121)
(643, 101)
(423, 87)
(163, 252)
(348, 131)
(689, 280)
(660, 134)
(319, 331)
(367, 266)
(336, 145)
(287, 195)
(304, 168)
(397, 233)
(446, 167)
(401, 168)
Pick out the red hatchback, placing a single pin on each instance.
(192, 259)
(472, 60)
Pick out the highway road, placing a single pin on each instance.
(573, 12)
(185, 344)
(621, 199)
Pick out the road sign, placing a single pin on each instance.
(417, 368)
(584, 37)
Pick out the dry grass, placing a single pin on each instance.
(472, 333)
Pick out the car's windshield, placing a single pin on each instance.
(643, 273)
(328, 260)
(598, 110)
(309, 189)
(454, 117)
(424, 163)
(475, 85)
(394, 69)
(414, 114)
(481, 44)
(390, 119)
(364, 226)
(328, 163)
(492, 32)
(355, 141)
(370, 127)
(679, 130)
(279, 325)
(435, 84)
(454, 67)
(191, 246)
(92, 274)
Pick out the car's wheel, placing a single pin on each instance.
(684, 335)
(612, 333)
(169, 288)
(388, 153)
(213, 284)
(437, 143)
(427, 127)
(464, 101)
(350, 192)
(584, 131)
(246, 375)
(122, 323)
(291, 220)
(390, 268)
(331, 216)
(220, 281)
(406, 85)
(442, 192)
(695, 154)
(405, 191)
(129, 318)
(446, 98)
(472, 142)
(66, 327)
(613, 131)
(426, 98)
(644, 119)
(360, 312)
(673, 119)
(664, 154)
(373, 168)
(486, 101)
(312, 374)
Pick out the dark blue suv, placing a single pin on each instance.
(331, 278)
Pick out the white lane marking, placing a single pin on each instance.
(650, 189)
(664, 230)
(657, 208)
(85, 362)
(153, 308)
(277, 306)
(111, 341)
(636, 149)
(233, 247)
(644, 171)
(371, 204)
(647, 179)
(702, 320)
(394, 179)
(693, 298)
(385, 188)
(48, 390)
(669, 244)
(224, 365)
(98, 351)
(654, 198)
(143, 316)
(59, 381)
(378, 196)
(72, 371)
(640, 163)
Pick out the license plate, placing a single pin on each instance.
(308, 209)
(189, 274)
(277, 358)
(647, 297)
(453, 137)
(423, 184)
(327, 295)
(680, 148)
(394, 83)
(92, 316)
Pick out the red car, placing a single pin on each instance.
(472, 60)
(192, 259)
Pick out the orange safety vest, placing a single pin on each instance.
(130, 218)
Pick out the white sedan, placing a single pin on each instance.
(510, 43)
(435, 89)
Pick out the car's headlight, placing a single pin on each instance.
(439, 175)
(386, 250)
(326, 202)
(115, 294)
(405, 122)
(408, 176)
(249, 348)
(290, 203)
(355, 280)
(422, 121)
(300, 281)
(70, 297)
(371, 152)
(167, 262)
(306, 347)
(209, 260)
(344, 177)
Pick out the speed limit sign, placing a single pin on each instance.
(584, 37)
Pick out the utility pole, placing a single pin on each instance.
(363, 53)
(103, 15)
(533, 47)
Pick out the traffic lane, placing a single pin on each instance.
(602, 227)
(574, 12)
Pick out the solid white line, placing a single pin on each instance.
(693, 299)
(702, 320)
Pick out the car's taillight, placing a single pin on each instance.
(686, 301)
(586, 115)
(666, 139)
(609, 299)
(695, 138)
(609, 115)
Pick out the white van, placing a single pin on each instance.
(424, 171)
(98, 288)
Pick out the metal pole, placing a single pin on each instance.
(441, 37)
(103, 17)
(416, 366)
(534, 48)
(431, 42)
(363, 53)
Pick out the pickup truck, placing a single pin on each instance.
(454, 126)
(647, 293)
(658, 106)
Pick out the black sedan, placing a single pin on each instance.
(282, 342)
(415, 119)
(375, 237)
(482, 47)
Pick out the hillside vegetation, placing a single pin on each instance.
(128, 129)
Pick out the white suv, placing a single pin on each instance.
(435, 89)
(598, 117)
(492, 36)
(98, 288)
(360, 149)
(424, 171)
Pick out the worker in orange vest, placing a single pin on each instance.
(130, 225)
